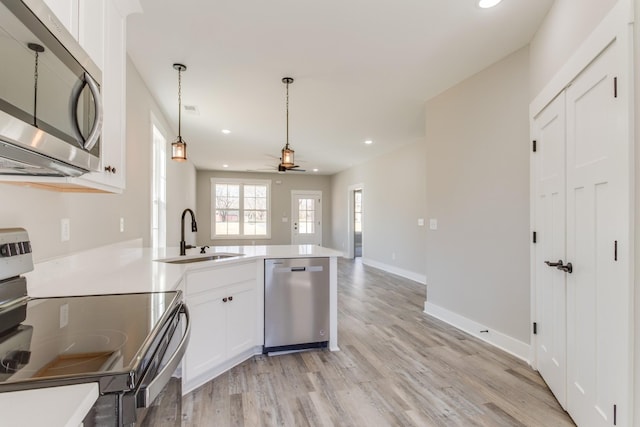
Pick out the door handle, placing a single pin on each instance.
(566, 268)
(554, 264)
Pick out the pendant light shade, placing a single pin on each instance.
(287, 160)
(179, 147)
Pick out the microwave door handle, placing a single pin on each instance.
(75, 98)
(162, 378)
(94, 135)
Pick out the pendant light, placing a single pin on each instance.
(286, 161)
(179, 147)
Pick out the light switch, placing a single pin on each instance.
(420, 222)
(285, 219)
(433, 224)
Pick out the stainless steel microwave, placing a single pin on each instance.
(50, 102)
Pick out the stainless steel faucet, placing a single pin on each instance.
(194, 228)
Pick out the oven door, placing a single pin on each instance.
(159, 399)
(159, 393)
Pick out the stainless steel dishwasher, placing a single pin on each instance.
(296, 306)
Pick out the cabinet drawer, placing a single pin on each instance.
(204, 280)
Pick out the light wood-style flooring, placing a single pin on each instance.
(397, 367)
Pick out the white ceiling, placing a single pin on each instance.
(362, 68)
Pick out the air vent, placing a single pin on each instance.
(191, 109)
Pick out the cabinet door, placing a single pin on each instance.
(91, 29)
(112, 175)
(67, 12)
(207, 345)
(241, 320)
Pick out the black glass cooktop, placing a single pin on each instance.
(83, 336)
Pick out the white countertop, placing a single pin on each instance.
(120, 268)
(64, 406)
(127, 268)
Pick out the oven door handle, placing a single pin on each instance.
(162, 378)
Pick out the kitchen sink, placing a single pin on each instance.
(198, 258)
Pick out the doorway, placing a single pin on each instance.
(357, 223)
(349, 242)
(306, 217)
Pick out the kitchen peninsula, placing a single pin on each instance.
(215, 344)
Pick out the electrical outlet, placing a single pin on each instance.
(65, 230)
(393, 256)
(433, 224)
(420, 222)
(121, 224)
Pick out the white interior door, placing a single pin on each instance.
(306, 216)
(597, 227)
(550, 218)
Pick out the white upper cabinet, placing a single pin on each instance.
(100, 28)
(67, 12)
(109, 46)
(91, 29)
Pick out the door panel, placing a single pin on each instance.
(597, 217)
(306, 215)
(549, 131)
(241, 320)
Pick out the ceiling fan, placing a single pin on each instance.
(286, 161)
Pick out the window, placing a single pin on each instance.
(240, 208)
(159, 189)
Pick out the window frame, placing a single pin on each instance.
(242, 183)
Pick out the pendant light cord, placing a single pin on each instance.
(287, 114)
(35, 91)
(179, 104)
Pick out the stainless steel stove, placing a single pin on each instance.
(130, 344)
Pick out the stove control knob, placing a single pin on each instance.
(15, 248)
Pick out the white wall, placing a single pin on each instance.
(393, 199)
(95, 218)
(566, 25)
(280, 204)
(478, 189)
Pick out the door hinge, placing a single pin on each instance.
(535, 237)
(535, 328)
(615, 415)
(615, 87)
(535, 145)
(615, 250)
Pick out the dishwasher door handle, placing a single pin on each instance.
(310, 269)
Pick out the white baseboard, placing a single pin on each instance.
(416, 277)
(504, 342)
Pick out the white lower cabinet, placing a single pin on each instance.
(224, 311)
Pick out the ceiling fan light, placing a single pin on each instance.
(179, 150)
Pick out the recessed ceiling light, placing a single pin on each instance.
(315, 169)
(485, 4)
(226, 131)
(368, 142)
(225, 165)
